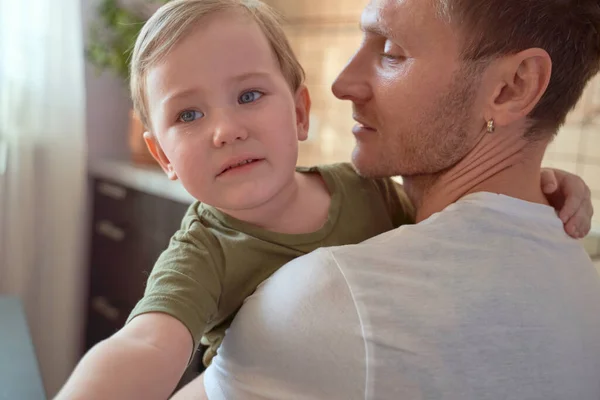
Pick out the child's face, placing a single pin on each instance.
(220, 99)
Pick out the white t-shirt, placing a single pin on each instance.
(486, 300)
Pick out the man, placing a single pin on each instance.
(484, 298)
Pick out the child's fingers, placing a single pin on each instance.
(549, 182)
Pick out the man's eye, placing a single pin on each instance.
(189, 116)
(391, 52)
(391, 57)
(250, 97)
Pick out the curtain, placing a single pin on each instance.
(43, 175)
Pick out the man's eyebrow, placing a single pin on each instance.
(375, 29)
(384, 31)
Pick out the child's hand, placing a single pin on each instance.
(571, 197)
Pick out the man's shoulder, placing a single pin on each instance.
(313, 276)
(313, 262)
(305, 301)
(401, 239)
(432, 241)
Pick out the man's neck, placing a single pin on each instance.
(499, 163)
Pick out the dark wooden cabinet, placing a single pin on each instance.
(129, 231)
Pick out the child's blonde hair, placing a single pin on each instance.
(175, 19)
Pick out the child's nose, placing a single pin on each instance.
(226, 131)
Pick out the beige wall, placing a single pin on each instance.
(324, 35)
(330, 9)
(323, 52)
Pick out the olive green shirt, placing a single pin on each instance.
(215, 261)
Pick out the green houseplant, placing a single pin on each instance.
(113, 33)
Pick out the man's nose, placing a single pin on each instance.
(226, 129)
(352, 83)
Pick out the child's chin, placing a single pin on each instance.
(245, 200)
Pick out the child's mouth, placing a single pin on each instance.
(239, 166)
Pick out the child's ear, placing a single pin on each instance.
(302, 99)
(158, 154)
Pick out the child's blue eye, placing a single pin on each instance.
(250, 97)
(189, 116)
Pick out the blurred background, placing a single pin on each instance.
(84, 211)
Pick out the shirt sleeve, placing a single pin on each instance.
(399, 206)
(298, 336)
(185, 281)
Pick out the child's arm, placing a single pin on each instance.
(144, 360)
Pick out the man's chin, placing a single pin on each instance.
(379, 167)
(371, 167)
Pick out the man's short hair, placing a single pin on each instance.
(569, 30)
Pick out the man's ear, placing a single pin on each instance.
(522, 81)
(158, 154)
(303, 103)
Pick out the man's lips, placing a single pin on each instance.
(362, 128)
(238, 162)
(362, 125)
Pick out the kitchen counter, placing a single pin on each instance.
(148, 179)
(19, 371)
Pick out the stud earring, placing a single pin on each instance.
(491, 126)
